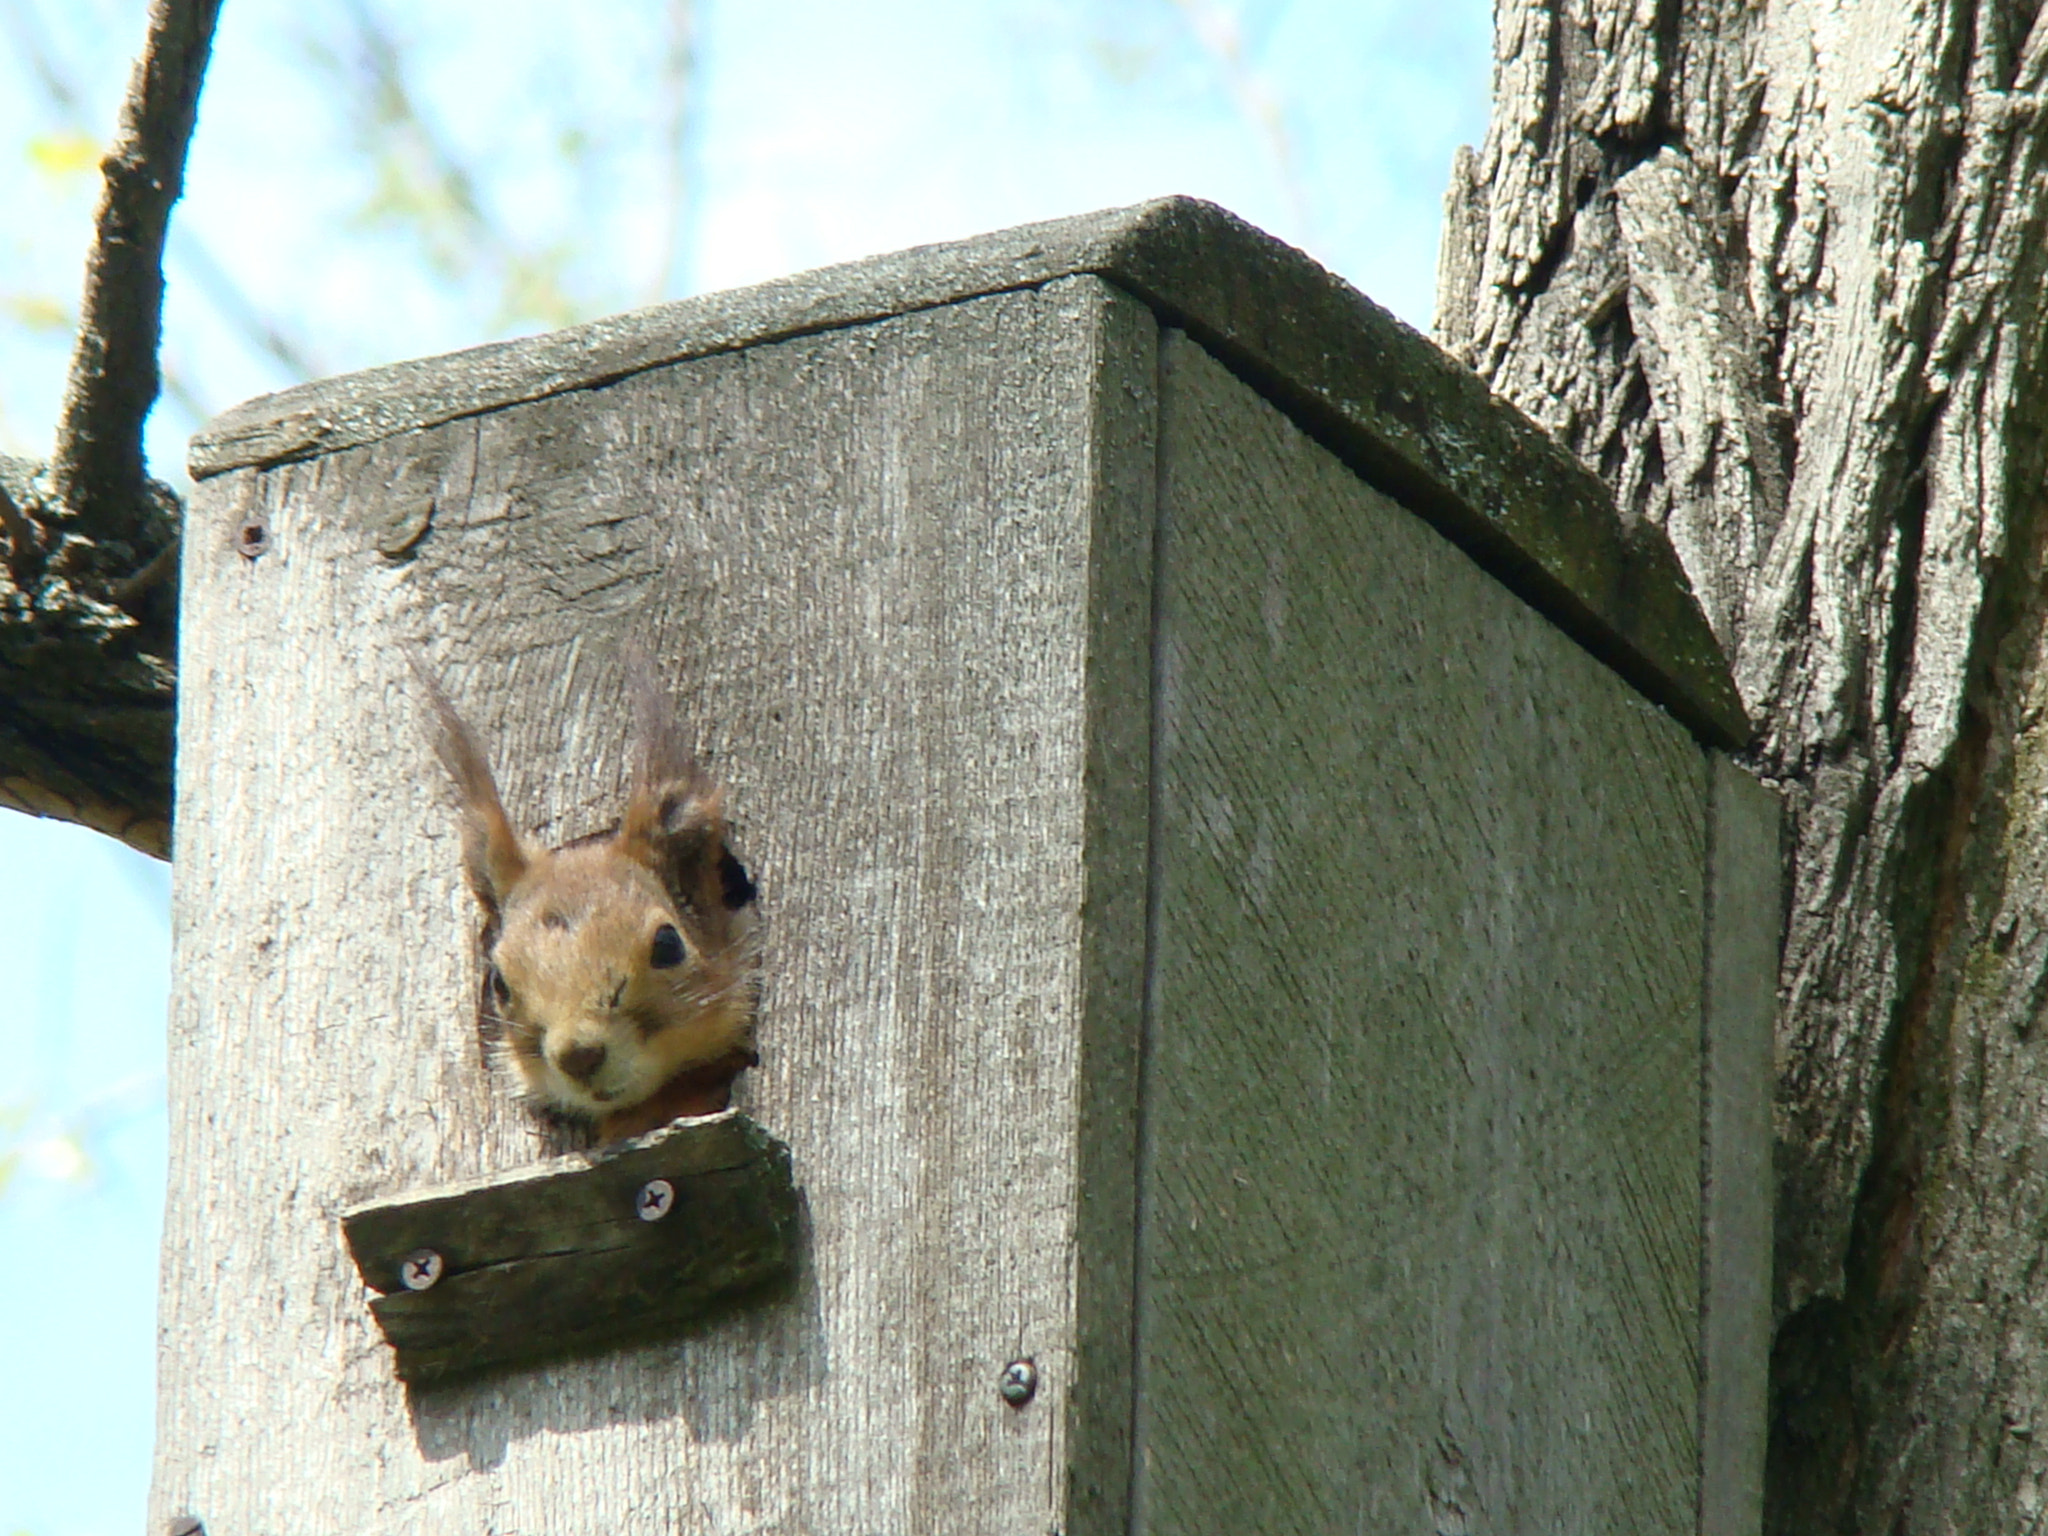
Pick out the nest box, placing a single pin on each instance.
(1269, 964)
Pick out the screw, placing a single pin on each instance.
(252, 539)
(185, 1525)
(1019, 1383)
(656, 1199)
(420, 1269)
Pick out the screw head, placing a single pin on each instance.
(656, 1199)
(184, 1525)
(1019, 1383)
(418, 1270)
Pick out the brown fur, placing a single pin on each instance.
(606, 1017)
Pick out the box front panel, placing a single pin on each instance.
(867, 560)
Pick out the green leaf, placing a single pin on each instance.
(64, 155)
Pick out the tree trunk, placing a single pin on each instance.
(1777, 272)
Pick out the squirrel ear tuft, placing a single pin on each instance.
(675, 815)
(656, 752)
(493, 856)
(678, 831)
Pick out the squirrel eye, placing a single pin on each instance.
(668, 947)
(500, 993)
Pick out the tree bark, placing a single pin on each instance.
(1778, 272)
(88, 589)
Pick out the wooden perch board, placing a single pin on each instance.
(570, 1256)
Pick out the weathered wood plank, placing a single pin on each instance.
(1117, 786)
(1420, 425)
(576, 1255)
(894, 573)
(1420, 1243)
(1743, 930)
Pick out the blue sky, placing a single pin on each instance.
(824, 132)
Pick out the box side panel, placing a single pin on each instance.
(1744, 922)
(870, 560)
(1420, 1220)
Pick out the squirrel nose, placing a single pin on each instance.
(581, 1061)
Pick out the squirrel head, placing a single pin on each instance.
(624, 960)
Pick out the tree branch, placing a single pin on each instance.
(98, 469)
(680, 122)
(24, 539)
(261, 332)
(431, 188)
(1216, 32)
(88, 589)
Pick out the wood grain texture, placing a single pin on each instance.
(893, 570)
(1423, 428)
(1117, 791)
(1744, 924)
(1780, 272)
(1420, 1241)
(561, 1259)
(1223, 944)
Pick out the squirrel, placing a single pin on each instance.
(620, 967)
